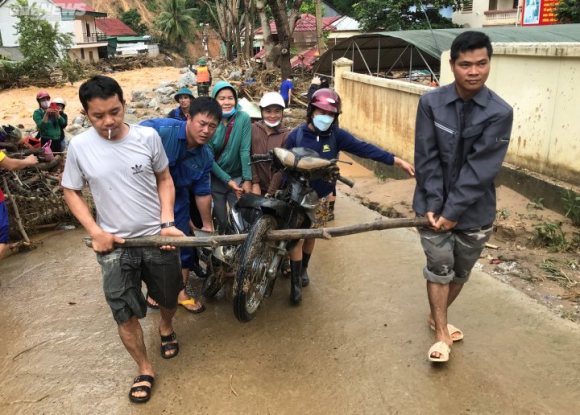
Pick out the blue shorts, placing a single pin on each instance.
(3, 223)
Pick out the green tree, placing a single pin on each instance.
(132, 18)
(40, 42)
(309, 7)
(568, 11)
(392, 15)
(343, 6)
(176, 22)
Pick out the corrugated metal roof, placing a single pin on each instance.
(415, 47)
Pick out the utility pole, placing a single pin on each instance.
(205, 40)
(319, 34)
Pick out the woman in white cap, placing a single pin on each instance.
(267, 134)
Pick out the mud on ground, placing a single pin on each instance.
(552, 278)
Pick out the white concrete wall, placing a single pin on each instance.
(540, 81)
(75, 54)
(8, 19)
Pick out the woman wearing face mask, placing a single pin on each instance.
(49, 122)
(267, 134)
(231, 172)
(321, 135)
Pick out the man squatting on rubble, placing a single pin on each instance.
(128, 175)
(462, 134)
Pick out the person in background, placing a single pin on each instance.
(462, 135)
(49, 122)
(231, 143)
(203, 76)
(10, 164)
(60, 106)
(317, 83)
(321, 134)
(183, 97)
(286, 91)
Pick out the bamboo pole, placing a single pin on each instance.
(279, 235)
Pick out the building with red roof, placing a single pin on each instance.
(114, 27)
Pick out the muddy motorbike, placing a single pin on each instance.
(292, 207)
(222, 261)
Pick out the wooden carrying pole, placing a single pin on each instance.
(289, 234)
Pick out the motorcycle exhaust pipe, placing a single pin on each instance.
(273, 269)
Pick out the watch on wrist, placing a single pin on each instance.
(167, 225)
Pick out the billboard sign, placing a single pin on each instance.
(539, 12)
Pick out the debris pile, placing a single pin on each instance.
(34, 198)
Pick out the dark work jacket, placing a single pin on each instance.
(177, 114)
(459, 150)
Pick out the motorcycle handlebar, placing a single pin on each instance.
(344, 180)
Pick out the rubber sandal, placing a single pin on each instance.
(142, 388)
(452, 329)
(191, 301)
(443, 349)
(169, 346)
(151, 306)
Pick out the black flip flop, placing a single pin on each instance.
(142, 388)
(169, 346)
(151, 306)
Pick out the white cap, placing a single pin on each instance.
(59, 100)
(272, 98)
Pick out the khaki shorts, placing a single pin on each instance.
(452, 255)
(124, 270)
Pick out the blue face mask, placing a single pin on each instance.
(322, 122)
(229, 114)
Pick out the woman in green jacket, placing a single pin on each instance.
(231, 143)
(49, 122)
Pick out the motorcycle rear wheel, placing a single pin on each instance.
(252, 277)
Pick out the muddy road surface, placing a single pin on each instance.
(357, 345)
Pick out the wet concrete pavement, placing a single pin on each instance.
(357, 345)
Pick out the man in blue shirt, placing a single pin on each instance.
(190, 164)
(286, 91)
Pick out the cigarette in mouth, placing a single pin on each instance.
(109, 133)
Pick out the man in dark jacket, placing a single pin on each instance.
(462, 135)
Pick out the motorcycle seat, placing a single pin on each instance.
(304, 163)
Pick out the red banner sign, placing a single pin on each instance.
(539, 12)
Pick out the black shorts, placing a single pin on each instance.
(125, 268)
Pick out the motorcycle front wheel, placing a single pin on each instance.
(252, 277)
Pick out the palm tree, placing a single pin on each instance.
(176, 22)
